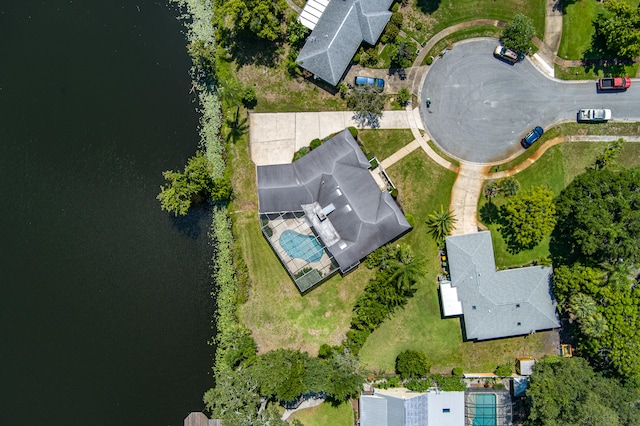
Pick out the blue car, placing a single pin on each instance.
(533, 136)
(370, 81)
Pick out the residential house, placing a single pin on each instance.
(325, 212)
(495, 304)
(338, 31)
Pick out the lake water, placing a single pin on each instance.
(104, 299)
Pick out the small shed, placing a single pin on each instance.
(524, 366)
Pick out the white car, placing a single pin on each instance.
(594, 115)
(505, 54)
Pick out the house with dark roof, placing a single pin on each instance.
(495, 304)
(337, 34)
(401, 407)
(325, 212)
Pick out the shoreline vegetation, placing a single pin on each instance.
(254, 383)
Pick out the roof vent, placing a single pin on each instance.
(348, 208)
(338, 192)
(342, 245)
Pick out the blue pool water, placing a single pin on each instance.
(485, 413)
(301, 246)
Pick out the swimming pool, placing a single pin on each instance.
(301, 246)
(484, 412)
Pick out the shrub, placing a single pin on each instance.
(355, 340)
(354, 132)
(418, 25)
(391, 31)
(503, 370)
(393, 381)
(410, 219)
(315, 143)
(403, 96)
(301, 153)
(394, 192)
(395, 7)
(249, 98)
(429, 60)
(373, 164)
(457, 371)
(396, 19)
(420, 385)
(412, 364)
(451, 384)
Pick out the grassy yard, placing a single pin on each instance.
(467, 33)
(577, 27)
(384, 142)
(326, 414)
(276, 313)
(419, 324)
(425, 18)
(556, 168)
(573, 129)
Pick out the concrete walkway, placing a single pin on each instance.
(465, 196)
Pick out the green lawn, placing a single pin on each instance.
(445, 14)
(556, 168)
(572, 129)
(424, 186)
(483, 31)
(577, 27)
(326, 414)
(384, 142)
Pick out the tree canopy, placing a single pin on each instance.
(518, 33)
(619, 27)
(606, 308)
(599, 217)
(412, 364)
(367, 102)
(566, 391)
(192, 185)
(528, 217)
(262, 17)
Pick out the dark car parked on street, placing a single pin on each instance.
(533, 136)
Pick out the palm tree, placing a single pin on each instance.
(441, 223)
(402, 272)
(582, 306)
(235, 130)
(594, 326)
(509, 186)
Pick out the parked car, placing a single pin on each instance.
(505, 54)
(594, 115)
(614, 83)
(370, 81)
(533, 136)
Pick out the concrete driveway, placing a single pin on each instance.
(275, 137)
(481, 107)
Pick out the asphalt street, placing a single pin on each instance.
(481, 106)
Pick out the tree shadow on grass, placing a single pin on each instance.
(428, 6)
(248, 49)
(489, 213)
(598, 58)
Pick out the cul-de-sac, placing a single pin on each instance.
(426, 212)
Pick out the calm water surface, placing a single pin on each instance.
(104, 299)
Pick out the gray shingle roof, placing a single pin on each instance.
(498, 303)
(338, 34)
(335, 173)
